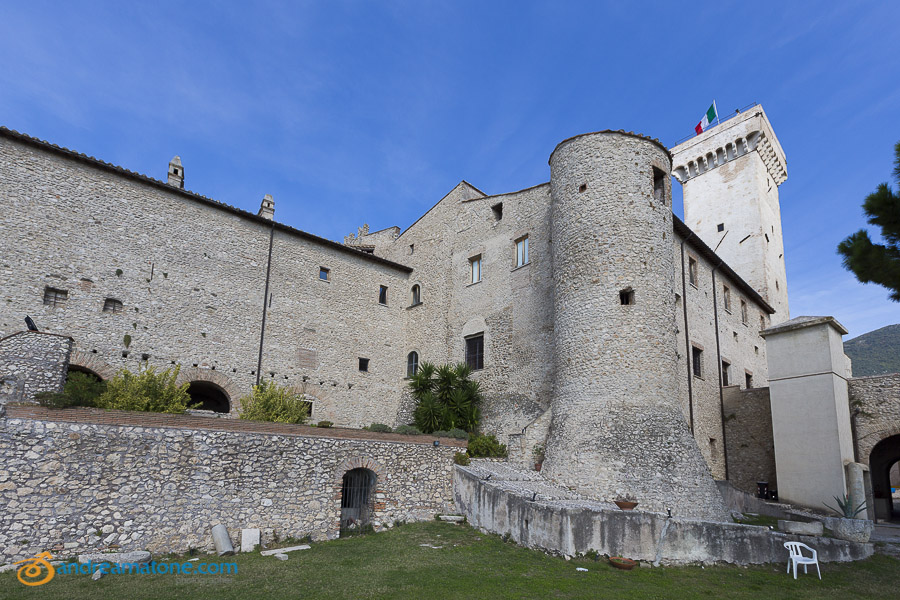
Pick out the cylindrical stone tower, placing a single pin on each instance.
(617, 429)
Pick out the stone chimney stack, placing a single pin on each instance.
(267, 208)
(176, 173)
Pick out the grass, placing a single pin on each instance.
(467, 564)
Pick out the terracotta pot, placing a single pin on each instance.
(626, 505)
(626, 564)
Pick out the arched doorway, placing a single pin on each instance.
(884, 455)
(80, 369)
(357, 500)
(206, 395)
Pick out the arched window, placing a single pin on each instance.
(208, 396)
(412, 363)
(416, 295)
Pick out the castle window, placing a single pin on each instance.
(412, 363)
(416, 295)
(692, 271)
(382, 294)
(726, 297)
(725, 366)
(697, 361)
(743, 312)
(748, 379)
(626, 297)
(324, 274)
(54, 297)
(412, 248)
(111, 305)
(475, 351)
(364, 365)
(582, 188)
(720, 227)
(522, 251)
(497, 209)
(762, 322)
(475, 268)
(659, 185)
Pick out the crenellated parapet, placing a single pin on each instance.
(736, 137)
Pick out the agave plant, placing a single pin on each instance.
(845, 507)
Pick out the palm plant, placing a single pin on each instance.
(445, 398)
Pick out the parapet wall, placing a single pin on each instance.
(74, 487)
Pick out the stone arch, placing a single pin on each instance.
(206, 395)
(216, 378)
(91, 363)
(358, 483)
(882, 457)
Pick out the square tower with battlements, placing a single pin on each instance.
(730, 174)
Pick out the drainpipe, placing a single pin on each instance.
(687, 336)
(262, 331)
(719, 360)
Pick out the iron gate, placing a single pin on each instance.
(357, 500)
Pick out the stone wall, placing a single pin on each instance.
(570, 527)
(189, 275)
(751, 448)
(32, 362)
(878, 399)
(161, 481)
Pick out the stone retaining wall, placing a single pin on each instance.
(74, 487)
(569, 527)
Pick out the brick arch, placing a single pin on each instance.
(231, 389)
(359, 462)
(92, 362)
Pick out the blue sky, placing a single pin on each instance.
(369, 112)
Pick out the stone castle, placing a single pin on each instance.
(598, 324)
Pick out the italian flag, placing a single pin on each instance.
(708, 118)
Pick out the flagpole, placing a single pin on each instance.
(716, 108)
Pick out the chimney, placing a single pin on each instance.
(267, 208)
(176, 173)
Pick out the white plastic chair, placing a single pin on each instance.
(796, 557)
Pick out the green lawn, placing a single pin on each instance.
(468, 565)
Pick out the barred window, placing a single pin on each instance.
(475, 351)
(54, 297)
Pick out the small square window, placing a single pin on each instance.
(324, 274)
(111, 305)
(720, 227)
(364, 365)
(54, 297)
(382, 294)
(475, 352)
(497, 209)
(475, 268)
(522, 251)
(626, 297)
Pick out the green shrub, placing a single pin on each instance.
(53, 399)
(379, 428)
(324, 424)
(458, 434)
(440, 433)
(147, 391)
(81, 389)
(270, 402)
(84, 389)
(461, 458)
(486, 446)
(445, 398)
(407, 430)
